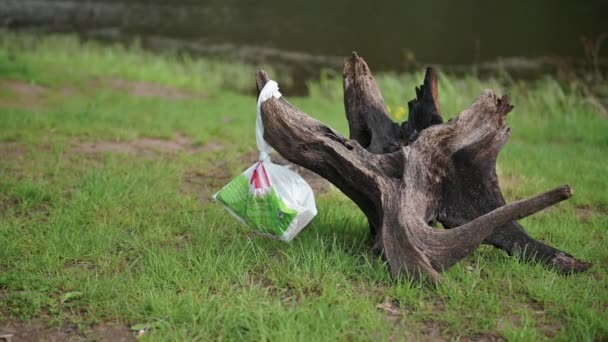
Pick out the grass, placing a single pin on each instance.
(93, 237)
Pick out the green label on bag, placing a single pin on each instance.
(266, 213)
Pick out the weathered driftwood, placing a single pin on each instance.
(406, 176)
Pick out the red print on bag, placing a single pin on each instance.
(259, 185)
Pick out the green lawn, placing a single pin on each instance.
(108, 160)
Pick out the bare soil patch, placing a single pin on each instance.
(436, 331)
(432, 331)
(24, 88)
(484, 337)
(14, 158)
(428, 330)
(6, 203)
(586, 212)
(22, 94)
(26, 95)
(548, 327)
(12, 150)
(37, 330)
(140, 147)
(205, 183)
(145, 89)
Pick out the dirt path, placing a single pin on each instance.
(39, 330)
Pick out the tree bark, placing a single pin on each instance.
(406, 176)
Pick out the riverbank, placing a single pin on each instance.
(110, 156)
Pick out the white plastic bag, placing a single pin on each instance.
(269, 197)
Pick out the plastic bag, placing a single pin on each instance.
(269, 197)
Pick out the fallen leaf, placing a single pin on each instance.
(141, 326)
(6, 337)
(390, 307)
(70, 296)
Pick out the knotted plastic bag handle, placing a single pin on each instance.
(271, 89)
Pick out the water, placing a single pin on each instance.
(391, 35)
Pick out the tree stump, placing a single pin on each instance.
(404, 177)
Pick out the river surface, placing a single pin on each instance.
(391, 35)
